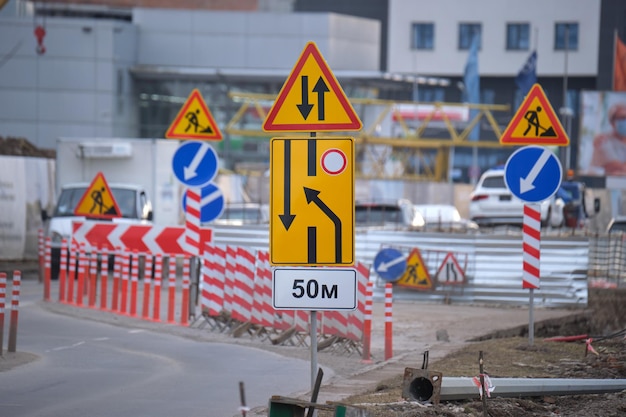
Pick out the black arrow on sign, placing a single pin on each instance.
(287, 218)
(313, 196)
(305, 108)
(320, 88)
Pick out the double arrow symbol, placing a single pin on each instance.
(312, 196)
(320, 88)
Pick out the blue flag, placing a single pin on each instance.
(472, 82)
(528, 74)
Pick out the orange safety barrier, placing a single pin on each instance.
(184, 315)
(93, 278)
(171, 283)
(124, 295)
(134, 282)
(158, 271)
(104, 278)
(147, 275)
(388, 321)
(117, 270)
(82, 264)
(15, 305)
(3, 293)
(47, 270)
(62, 270)
(71, 275)
(367, 323)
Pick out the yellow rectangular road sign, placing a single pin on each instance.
(312, 201)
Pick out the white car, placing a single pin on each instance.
(444, 217)
(491, 203)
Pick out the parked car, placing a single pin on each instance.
(444, 217)
(395, 213)
(237, 214)
(491, 203)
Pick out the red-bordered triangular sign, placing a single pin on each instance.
(450, 272)
(311, 99)
(416, 274)
(98, 200)
(535, 123)
(194, 121)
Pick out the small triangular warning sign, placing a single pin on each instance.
(98, 200)
(535, 123)
(416, 275)
(311, 99)
(450, 272)
(194, 121)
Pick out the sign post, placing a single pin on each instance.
(312, 193)
(533, 174)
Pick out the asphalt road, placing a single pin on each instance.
(86, 368)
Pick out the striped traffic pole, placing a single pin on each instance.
(124, 293)
(367, 324)
(158, 273)
(3, 294)
(47, 269)
(117, 278)
(192, 221)
(72, 274)
(15, 305)
(82, 264)
(41, 252)
(184, 312)
(104, 278)
(531, 259)
(388, 321)
(62, 270)
(134, 282)
(93, 278)
(171, 289)
(147, 279)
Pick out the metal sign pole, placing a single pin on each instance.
(313, 336)
(531, 317)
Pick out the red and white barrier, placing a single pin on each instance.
(104, 278)
(71, 275)
(82, 266)
(532, 246)
(15, 306)
(3, 294)
(367, 327)
(158, 275)
(192, 221)
(48, 269)
(229, 277)
(147, 284)
(388, 321)
(212, 293)
(171, 289)
(63, 270)
(262, 310)
(93, 278)
(243, 284)
(184, 315)
(134, 283)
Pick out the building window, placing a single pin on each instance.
(422, 36)
(517, 36)
(466, 33)
(488, 96)
(429, 94)
(560, 29)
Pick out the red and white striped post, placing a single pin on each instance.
(62, 270)
(47, 268)
(367, 323)
(15, 306)
(134, 283)
(93, 278)
(388, 321)
(531, 242)
(3, 294)
(117, 278)
(184, 312)
(82, 264)
(171, 289)
(192, 221)
(72, 274)
(41, 253)
(158, 273)
(104, 278)
(147, 280)
(124, 291)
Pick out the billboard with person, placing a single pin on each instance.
(603, 133)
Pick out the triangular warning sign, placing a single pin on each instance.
(194, 121)
(535, 123)
(98, 201)
(450, 272)
(311, 99)
(416, 275)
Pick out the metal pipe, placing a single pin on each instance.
(461, 388)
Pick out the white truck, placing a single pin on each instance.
(138, 172)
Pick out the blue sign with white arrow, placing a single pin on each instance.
(533, 174)
(211, 202)
(390, 264)
(195, 163)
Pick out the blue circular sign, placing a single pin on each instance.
(211, 202)
(533, 173)
(195, 163)
(390, 264)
